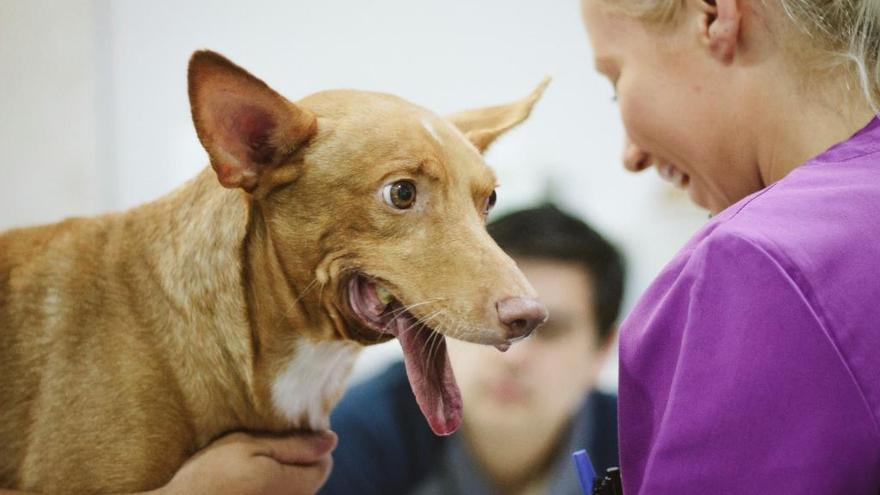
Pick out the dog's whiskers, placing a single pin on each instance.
(455, 331)
(302, 294)
(437, 339)
(430, 340)
(422, 323)
(400, 312)
(397, 312)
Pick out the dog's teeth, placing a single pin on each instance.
(384, 296)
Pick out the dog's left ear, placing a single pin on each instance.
(483, 125)
(247, 128)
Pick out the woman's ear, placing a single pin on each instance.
(720, 23)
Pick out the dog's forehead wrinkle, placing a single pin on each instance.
(488, 178)
(453, 137)
(472, 150)
(433, 169)
(477, 182)
(428, 125)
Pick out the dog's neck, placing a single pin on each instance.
(192, 240)
(236, 324)
(300, 369)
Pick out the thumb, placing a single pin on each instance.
(306, 448)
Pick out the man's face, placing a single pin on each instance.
(544, 378)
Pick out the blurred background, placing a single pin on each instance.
(94, 114)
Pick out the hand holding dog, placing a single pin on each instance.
(243, 464)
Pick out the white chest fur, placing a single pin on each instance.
(316, 374)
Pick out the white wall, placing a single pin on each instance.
(48, 112)
(95, 117)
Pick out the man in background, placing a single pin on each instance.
(526, 410)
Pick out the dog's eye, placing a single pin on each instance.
(400, 194)
(490, 203)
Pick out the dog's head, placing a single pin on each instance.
(375, 209)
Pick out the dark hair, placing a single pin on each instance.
(547, 232)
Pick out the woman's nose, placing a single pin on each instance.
(634, 159)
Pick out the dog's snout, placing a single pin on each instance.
(520, 316)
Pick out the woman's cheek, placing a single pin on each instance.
(636, 117)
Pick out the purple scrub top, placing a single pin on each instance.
(752, 363)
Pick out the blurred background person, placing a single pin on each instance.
(525, 410)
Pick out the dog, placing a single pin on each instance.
(129, 341)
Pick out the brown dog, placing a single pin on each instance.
(128, 341)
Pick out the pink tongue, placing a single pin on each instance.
(432, 382)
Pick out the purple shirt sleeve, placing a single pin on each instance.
(730, 383)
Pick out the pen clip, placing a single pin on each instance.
(585, 471)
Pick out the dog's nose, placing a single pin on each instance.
(520, 315)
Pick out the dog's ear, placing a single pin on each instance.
(483, 125)
(246, 127)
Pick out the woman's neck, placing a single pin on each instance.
(801, 120)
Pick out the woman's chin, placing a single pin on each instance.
(699, 197)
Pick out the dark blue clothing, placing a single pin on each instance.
(386, 447)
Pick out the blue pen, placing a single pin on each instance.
(585, 471)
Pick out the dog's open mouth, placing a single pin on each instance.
(424, 350)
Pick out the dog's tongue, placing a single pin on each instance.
(432, 380)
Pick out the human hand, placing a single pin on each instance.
(245, 464)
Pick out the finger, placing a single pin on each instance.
(297, 449)
(305, 479)
(234, 437)
(242, 440)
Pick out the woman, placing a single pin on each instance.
(750, 365)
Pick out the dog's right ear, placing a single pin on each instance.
(483, 125)
(247, 128)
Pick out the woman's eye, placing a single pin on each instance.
(400, 194)
(490, 203)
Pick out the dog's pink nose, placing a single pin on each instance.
(520, 315)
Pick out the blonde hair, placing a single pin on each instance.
(845, 32)
(655, 11)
